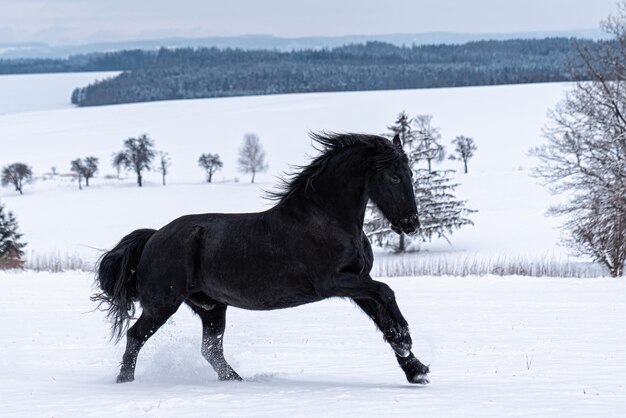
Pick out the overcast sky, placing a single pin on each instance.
(80, 21)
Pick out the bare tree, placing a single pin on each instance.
(427, 140)
(90, 165)
(164, 164)
(585, 154)
(76, 166)
(118, 162)
(252, 156)
(211, 163)
(464, 149)
(136, 156)
(16, 175)
(85, 169)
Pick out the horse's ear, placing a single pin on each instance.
(396, 140)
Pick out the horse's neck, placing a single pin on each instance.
(340, 194)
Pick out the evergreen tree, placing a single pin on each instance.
(440, 213)
(402, 128)
(10, 246)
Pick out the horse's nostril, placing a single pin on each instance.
(411, 224)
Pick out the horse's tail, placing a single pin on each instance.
(115, 276)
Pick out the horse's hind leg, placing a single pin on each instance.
(213, 316)
(415, 371)
(136, 337)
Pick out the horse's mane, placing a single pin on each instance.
(329, 145)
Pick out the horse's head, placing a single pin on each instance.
(391, 189)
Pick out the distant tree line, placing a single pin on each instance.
(169, 74)
(510, 52)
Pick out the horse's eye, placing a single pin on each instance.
(395, 180)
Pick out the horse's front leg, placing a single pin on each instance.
(397, 337)
(379, 302)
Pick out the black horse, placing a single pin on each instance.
(308, 247)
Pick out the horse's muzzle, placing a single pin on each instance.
(407, 225)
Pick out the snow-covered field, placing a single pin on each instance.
(496, 346)
(56, 217)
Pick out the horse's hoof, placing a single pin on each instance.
(414, 370)
(419, 379)
(124, 378)
(231, 376)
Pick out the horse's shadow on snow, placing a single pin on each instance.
(263, 381)
(322, 382)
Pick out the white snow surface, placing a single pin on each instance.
(58, 218)
(496, 346)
